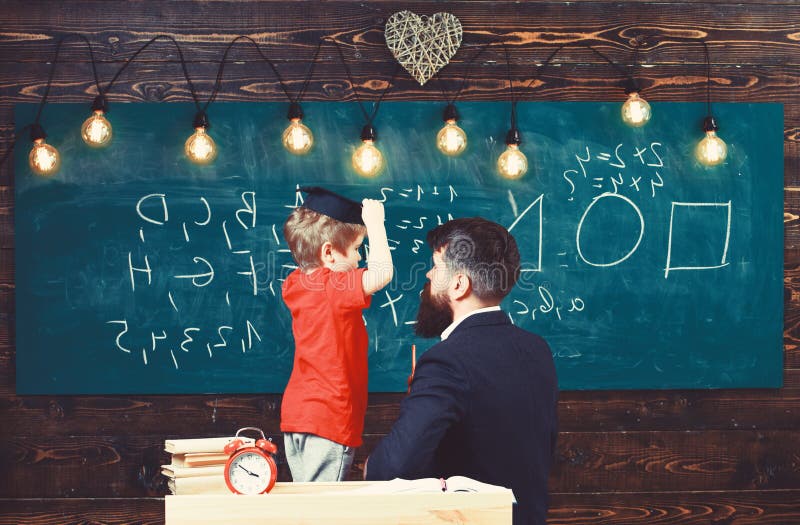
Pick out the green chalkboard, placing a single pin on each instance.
(642, 268)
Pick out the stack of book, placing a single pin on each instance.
(197, 465)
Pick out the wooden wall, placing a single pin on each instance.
(678, 457)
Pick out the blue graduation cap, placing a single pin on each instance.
(332, 204)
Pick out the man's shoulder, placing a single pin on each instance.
(493, 325)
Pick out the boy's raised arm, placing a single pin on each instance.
(379, 261)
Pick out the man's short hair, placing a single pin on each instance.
(307, 230)
(482, 249)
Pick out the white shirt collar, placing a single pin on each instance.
(454, 324)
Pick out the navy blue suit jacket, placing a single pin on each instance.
(482, 405)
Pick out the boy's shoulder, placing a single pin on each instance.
(319, 280)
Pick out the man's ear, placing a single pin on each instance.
(460, 287)
(326, 253)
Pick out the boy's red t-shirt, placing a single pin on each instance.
(327, 391)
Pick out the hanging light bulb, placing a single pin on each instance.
(635, 111)
(44, 159)
(297, 138)
(451, 140)
(200, 147)
(711, 150)
(367, 159)
(96, 130)
(512, 164)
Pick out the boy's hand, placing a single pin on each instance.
(372, 212)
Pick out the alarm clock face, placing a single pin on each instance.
(249, 473)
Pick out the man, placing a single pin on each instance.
(482, 402)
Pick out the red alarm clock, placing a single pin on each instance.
(250, 469)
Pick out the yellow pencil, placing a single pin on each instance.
(413, 358)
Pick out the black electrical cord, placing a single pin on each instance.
(451, 101)
(708, 80)
(369, 118)
(292, 100)
(35, 128)
(450, 111)
(145, 46)
(709, 122)
(53, 70)
(632, 84)
(514, 129)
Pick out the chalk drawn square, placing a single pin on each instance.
(699, 234)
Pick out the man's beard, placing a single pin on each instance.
(434, 314)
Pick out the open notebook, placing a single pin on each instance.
(448, 485)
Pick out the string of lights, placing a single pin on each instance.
(367, 160)
(451, 139)
(512, 163)
(297, 138)
(711, 150)
(44, 158)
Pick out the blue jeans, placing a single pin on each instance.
(314, 458)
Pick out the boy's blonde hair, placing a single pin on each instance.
(306, 231)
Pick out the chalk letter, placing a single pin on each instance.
(209, 274)
(146, 270)
(247, 208)
(163, 204)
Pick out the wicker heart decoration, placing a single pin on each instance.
(423, 45)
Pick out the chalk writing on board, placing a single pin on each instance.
(544, 303)
(723, 259)
(592, 167)
(256, 252)
(217, 338)
(586, 213)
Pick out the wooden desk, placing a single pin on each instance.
(336, 504)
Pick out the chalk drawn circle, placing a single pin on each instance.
(583, 218)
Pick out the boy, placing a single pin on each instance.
(322, 414)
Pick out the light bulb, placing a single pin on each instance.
(512, 164)
(451, 140)
(44, 159)
(367, 159)
(635, 111)
(711, 150)
(96, 130)
(297, 138)
(200, 147)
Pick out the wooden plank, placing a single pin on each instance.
(777, 507)
(252, 81)
(7, 320)
(342, 508)
(6, 267)
(208, 415)
(6, 228)
(671, 461)
(128, 465)
(676, 508)
(101, 466)
(69, 511)
(739, 33)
